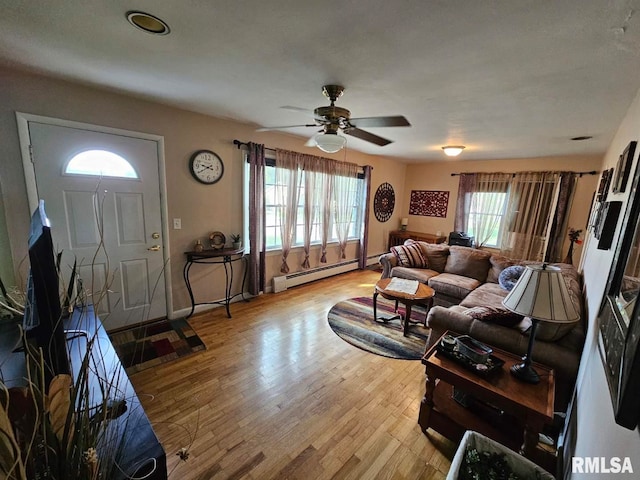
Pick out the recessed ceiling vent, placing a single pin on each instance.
(583, 137)
(148, 23)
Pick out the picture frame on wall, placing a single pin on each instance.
(605, 183)
(624, 168)
(618, 319)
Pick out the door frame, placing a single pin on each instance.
(23, 120)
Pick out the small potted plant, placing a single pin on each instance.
(236, 240)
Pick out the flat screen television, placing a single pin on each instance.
(42, 320)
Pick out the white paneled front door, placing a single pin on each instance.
(110, 225)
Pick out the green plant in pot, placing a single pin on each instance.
(236, 240)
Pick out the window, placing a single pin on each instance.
(274, 212)
(100, 163)
(486, 214)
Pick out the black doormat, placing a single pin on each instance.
(151, 344)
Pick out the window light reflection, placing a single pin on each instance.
(101, 163)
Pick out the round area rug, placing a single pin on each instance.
(352, 320)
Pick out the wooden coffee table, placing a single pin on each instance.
(507, 410)
(423, 296)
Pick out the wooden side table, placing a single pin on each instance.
(515, 411)
(398, 237)
(423, 296)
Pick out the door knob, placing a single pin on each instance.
(155, 248)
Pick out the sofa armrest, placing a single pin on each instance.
(440, 319)
(387, 261)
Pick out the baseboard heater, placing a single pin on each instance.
(298, 278)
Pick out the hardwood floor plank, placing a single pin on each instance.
(277, 394)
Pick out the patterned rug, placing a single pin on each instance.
(352, 320)
(155, 343)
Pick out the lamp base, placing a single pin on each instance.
(525, 372)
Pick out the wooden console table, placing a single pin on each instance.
(398, 237)
(226, 257)
(508, 411)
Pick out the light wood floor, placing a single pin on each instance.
(278, 395)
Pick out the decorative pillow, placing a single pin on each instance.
(510, 276)
(410, 256)
(499, 316)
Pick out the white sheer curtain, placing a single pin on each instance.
(532, 198)
(488, 206)
(287, 193)
(313, 185)
(345, 190)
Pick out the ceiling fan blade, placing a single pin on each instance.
(369, 122)
(266, 129)
(367, 136)
(297, 109)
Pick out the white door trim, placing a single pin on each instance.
(23, 120)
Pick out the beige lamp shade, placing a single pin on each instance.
(541, 293)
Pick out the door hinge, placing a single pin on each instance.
(31, 153)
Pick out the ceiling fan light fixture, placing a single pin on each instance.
(453, 150)
(330, 142)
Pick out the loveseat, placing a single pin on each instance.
(469, 301)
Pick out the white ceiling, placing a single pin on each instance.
(508, 79)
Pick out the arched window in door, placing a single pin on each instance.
(100, 163)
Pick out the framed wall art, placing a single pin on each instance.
(384, 202)
(605, 183)
(619, 316)
(623, 168)
(429, 203)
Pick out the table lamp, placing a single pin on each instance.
(542, 295)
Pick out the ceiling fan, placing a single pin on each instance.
(333, 119)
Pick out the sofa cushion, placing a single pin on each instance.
(500, 316)
(468, 262)
(490, 294)
(498, 264)
(551, 332)
(410, 256)
(453, 285)
(510, 276)
(421, 274)
(435, 253)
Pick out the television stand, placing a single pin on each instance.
(142, 455)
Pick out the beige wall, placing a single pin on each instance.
(437, 176)
(202, 208)
(599, 435)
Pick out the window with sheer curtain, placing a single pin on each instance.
(521, 213)
(310, 201)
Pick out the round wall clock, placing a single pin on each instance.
(206, 167)
(383, 202)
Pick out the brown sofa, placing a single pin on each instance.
(469, 301)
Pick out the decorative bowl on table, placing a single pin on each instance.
(474, 350)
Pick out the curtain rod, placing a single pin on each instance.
(240, 144)
(592, 172)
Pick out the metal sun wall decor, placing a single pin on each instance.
(429, 203)
(384, 202)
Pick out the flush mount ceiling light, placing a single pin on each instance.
(148, 23)
(453, 150)
(330, 142)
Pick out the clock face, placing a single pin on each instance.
(206, 166)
